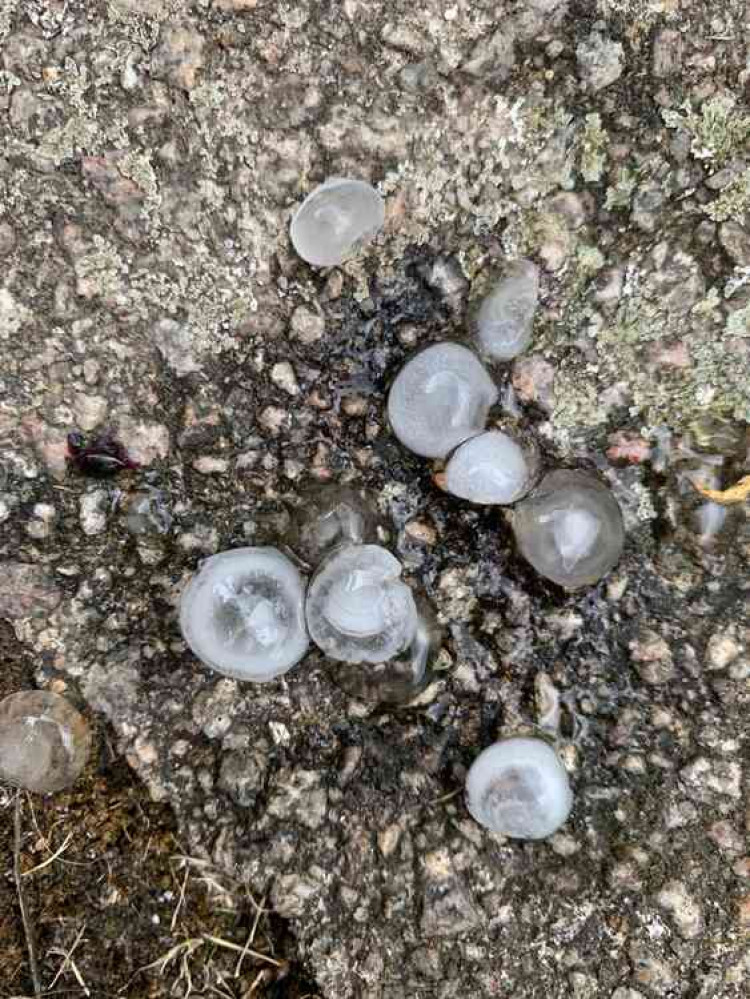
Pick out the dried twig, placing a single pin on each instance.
(228, 945)
(52, 859)
(69, 962)
(28, 929)
(259, 910)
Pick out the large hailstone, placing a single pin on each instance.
(242, 614)
(519, 788)
(401, 679)
(504, 319)
(358, 608)
(440, 398)
(490, 468)
(570, 529)
(335, 220)
(44, 741)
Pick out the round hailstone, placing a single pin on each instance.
(504, 319)
(44, 741)
(335, 220)
(489, 468)
(402, 678)
(439, 399)
(242, 614)
(570, 529)
(329, 516)
(519, 788)
(358, 608)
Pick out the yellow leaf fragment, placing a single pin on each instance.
(737, 493)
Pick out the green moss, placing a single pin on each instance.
(733, 202)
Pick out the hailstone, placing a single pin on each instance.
(490, 468)
(44, 741)
(242, 614)
(504, 319)
(358, 608)
(518, 787)
(335, 220)
(570, 529)
(440, 398)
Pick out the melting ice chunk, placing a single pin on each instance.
(519, 788)
(570, 529)
(329, 516)
(504, 319)
(489, 468)
(358, 608)
(243, 614)
(439, 399)
(335, 220)
(44, 741)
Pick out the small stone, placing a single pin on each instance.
(533, 380)
(274, 420)
(722, 650)
(600, 61)
(743, 913)
(667, 52)
(242, 776)
(90, 410)
(419, 530)
(307, 326)
(493, 57)
(236, 5)
(93, 512)
(298, 796)
(291, 894)
(27, 591)
(735, 239)
(208, 465)
(174, 341)
(282, 375)
(652, 656)
(626, 993)
(684, 909)
(7, 239)
(179, 56)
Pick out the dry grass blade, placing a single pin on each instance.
(738, 493)
(50, 860)
(28, 929)
(228, 945)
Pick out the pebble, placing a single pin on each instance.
(174, 341)
(652, 656)
(93, 512)
(27, 591)
(307, 326)
(282, 375)
(90, 410)
(208, 465)
(178, 57)
(600, 61)
(685, 910)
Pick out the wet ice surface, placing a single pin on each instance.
(335, 220)
(400, 679)
(519, 788)
(358, 608)
(243, 614)
(489, 468)
(570, 529)
(440, 398)
(504, 319)
(329, 516)
(44, 741)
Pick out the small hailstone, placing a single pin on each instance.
(335, 220)
(358, 608)
(329, 516)
(519, 788)
(440, 398)
(44, 741)
(242, 614)
(504, 319)
(400, 679)
(489, 468)
(570, 529)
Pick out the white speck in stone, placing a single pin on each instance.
(208, 465)
(282, 374)
(439, 399)
(336, 220)
(93, 512)
(518, 787)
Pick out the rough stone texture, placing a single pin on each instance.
(152, 154)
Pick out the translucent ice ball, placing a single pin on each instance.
(402, 678)
(358, 608)
(440, 398)
(570, 529)
(503, 320)
(44, 741)
(242, 614)
(489, 468)
(519, 788)
(329, 516)
(335, 220)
